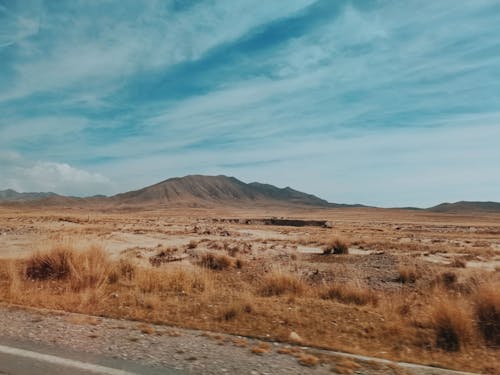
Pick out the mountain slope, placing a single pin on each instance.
(465, 207)
(12, 196)
(197, 189)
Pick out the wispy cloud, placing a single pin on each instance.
(339, 91)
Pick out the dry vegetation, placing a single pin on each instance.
(374, 294)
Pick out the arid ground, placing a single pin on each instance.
(406, 285)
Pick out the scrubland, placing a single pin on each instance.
(422, 289)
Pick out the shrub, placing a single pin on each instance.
(49, 265)
(448, 279)
(278, 282)
(487, 313)
(408, 274)
(215, 262)
(337, 246)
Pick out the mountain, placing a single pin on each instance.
(13, 196)
(197, 190)
(466, 207)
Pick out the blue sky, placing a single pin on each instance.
(390, 103)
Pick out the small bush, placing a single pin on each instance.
(278, 282)
(215, 262)
(337, 246)
(448, 279)
(408, 274)
(82, 269)
(50, 265)
(487, 313)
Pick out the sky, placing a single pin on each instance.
(384, 102)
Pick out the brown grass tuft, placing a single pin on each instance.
(408, 274)
(50, 265)
(215, 262)
(235, 308)
(346, 366)
(451, 322)
(487, 313)
(337, 246)
(350, 294)
(146, 329)
(177, 280)
(448, 279)
(261, 348)
(82, 269)
(308, 360)
(278, 282)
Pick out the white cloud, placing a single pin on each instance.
(43, 176)
(95, 51)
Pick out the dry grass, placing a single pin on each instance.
(408, 274)
(216, 262)
(236, 307)
(487, 313)
(308, 360)
(279, 282)
(146, 329)
(176, 280)
(240, 342)
(54, 264)
(81, 270)
(261, 348)
(350, 294)
(344, 316)
(336, 246)
(346, 366)
(452, 323)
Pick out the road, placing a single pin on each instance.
(18, 358)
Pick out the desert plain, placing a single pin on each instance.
(402, 284)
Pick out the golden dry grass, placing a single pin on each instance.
(487, 313)
(350, 293)
(308, 360)
(452, 323)
(279, 282)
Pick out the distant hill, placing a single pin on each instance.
(12, 196)
(201, 190)
(210, 191)
(465, 207)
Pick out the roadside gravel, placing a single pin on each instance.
(192, 352)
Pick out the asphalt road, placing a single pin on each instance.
(18, 358)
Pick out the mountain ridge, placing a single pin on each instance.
(208, 191)
(200, 189)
